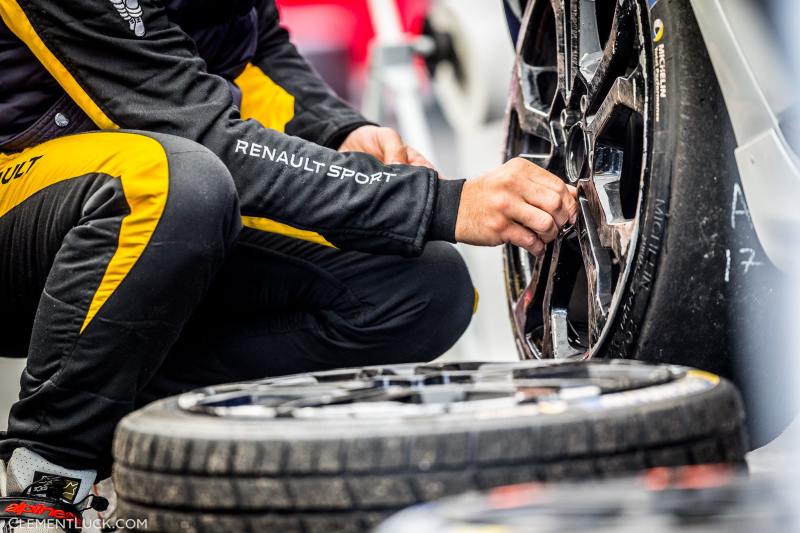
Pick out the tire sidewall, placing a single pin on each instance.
(654, 222)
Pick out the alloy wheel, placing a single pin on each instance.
(411, 390)
(580, 107)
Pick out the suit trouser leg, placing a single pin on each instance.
(109, 240)
(282, 305)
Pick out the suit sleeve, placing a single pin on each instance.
(319, 115)
(145, 74)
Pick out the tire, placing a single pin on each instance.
(711, 499)
(214, 460)
(694, 287)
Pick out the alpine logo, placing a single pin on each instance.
(131, 12)
(41, 510)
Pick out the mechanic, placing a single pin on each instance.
(185, 203)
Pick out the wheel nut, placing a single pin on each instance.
(584, 103)
(569, 118)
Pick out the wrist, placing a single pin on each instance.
(445, 210)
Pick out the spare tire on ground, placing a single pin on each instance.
(341, 450)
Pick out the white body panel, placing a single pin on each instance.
(757, 89)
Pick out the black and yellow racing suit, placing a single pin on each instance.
(173, 212)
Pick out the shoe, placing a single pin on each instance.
(31, 474)
(40, 496)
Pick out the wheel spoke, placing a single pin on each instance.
(625, 92)
(617, 237)
(605, 200)
(610, 63)
(606, 175)
(561, 274)
(548, 346)
(613, 229)
(558, 335)
(532, 80)
(603, 190)
(597, 263)
(522, 304)
(521, 308)
(587, 51)
(562, 43)
(528, 102)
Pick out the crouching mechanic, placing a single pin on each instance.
(183, 202)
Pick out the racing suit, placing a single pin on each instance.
(173, 213)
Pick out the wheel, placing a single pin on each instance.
(620, 99)
(708, 498)
(340, 450)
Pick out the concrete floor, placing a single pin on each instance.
(779, 456)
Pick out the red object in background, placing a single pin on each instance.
(343, 22)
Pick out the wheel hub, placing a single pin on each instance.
(580, 109)
(577, 152)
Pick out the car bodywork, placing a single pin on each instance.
(762, 103)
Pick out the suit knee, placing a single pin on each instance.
(202, 203)
(431, 302)
(449, 294)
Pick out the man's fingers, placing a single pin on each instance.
(392, 147)
(568, 193)
(524, 238)
(534, 172)
(560, 207)
(539, 186)
(535, 219)
(546, 179)
(573, 191)
(417, 159)
(573, 207)
(517, 203)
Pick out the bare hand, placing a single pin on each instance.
(518, 203)
(385, 144)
